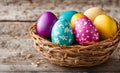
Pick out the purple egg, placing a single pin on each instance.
(45, 23)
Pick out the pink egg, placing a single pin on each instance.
(85, 31)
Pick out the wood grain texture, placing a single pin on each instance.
(15, 44)
(16, 16)
(29, 10)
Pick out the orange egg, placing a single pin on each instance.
(76, 17)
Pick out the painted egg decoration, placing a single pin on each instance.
(62, 33)
(85, 31)
(67, 15)
(93, 12)
(76, 17)
(106, 26)
(45, 23)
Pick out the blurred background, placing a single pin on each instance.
(28, 10)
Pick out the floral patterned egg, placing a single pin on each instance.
(85, 31)
(62, 33)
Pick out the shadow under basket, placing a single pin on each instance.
(75, 55)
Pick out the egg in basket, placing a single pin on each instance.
(76, 39)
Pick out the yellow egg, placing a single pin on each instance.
(76, 17)
(91, 13)
(106, 26)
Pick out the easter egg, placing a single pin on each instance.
(91, 13)
(85, 31)
(76, 17)
(62, 33)
(45, 23)
(106, 26)
(67, 15)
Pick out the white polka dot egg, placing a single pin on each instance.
(85, 31)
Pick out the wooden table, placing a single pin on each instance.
(16, 45)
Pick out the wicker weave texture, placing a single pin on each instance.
(75, 55)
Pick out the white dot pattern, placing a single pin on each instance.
(85, 31)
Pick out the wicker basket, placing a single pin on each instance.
(75, 55)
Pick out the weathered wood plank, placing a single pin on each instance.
(49, 67)
(15, 45)
(29, 10)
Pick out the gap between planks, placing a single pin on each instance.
(17, 20)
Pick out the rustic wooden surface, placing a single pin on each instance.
(15, 43)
